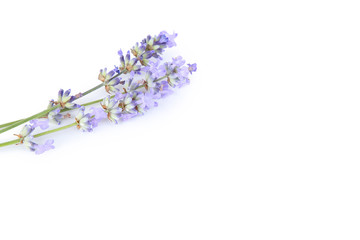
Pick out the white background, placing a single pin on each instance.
(263, 144)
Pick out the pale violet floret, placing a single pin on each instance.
(104, 75)
(98, 114)
(150, 98)
(111, 108)
(138, 101)
(26, 138)
(109, 81)
(126, 103)
(42, 123)
(65, 100)
(128, 85)
(176, 72)
(148, 82)
(110, 85)
(143, 56)
(83, 121)
(159, 42)
(55, 116)
(128, 65)
(155, 69)
(192, 68)
(170, 39)
(48, 145)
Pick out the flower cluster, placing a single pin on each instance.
(145, 79)
(26, 137)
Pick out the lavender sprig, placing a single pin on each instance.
(131, 97)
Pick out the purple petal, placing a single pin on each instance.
(48, 145)
(43, 124)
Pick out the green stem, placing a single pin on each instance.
(9, 143)
(91, 90)
(38, 115)
(55, 130)
(8, 124)
(40, 134)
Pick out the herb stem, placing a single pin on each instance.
(39, 135)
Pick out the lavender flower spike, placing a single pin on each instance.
(145, 78)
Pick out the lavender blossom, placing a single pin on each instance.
(55, 116)
(65, 100)
(110, 85)
(192, 68)
(83, 121)
(126, 103)
(128, 85)
(24, 133)
(28, 142)
(108, 81)
(127, 116)
(137, 50)
(111, 108)
(143, 56)
(138, 101)
(148, 82)
(163, 89)
(149, 99)
(127, 65)
(159, 43)
(104, 75)
(170, 39)
(26, 138)
(177, 73)
(154, 68)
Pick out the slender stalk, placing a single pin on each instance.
(9, 143)
(91, 90)
(55, 130)
(38, 115)
(8, 124)
(40, 134)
